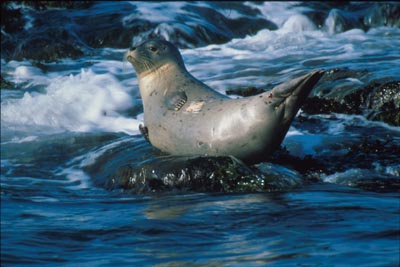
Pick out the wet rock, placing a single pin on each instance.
(337, 17)
(199, 174)
(383, 103)
(12, 20)
(229, 175)
(340, 21)
(308, 166)
(109, 29)
(7, 84)
(47, 49)
(319, 10)
(383, 14)
(41, 35)
(364, 154)
(317, 105)
(137, 168)
(205, 174)
(378, 184)
(340, 91)
(246, 91)
(68, 4)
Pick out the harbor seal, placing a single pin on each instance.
(183, 116)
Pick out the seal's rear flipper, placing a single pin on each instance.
(295, 91)
(299, 86)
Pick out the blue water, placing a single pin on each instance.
(70, 124)
(321, 225)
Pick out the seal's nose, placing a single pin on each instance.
(132, 48)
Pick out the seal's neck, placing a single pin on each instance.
(157, 82)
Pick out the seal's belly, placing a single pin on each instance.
(237, 128)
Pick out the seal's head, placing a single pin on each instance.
(153, 54)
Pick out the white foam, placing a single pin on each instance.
(302, 144)
(23, 73)
(77, 179)
(298, 23)
(154, 11)
(390, 170)
(347, 177)
(339, 120)
(85, 102)
(19, 140)
(277, 12)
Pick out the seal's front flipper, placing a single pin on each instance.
(175, 101)
(145, 132)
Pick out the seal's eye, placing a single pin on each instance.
(153, 48)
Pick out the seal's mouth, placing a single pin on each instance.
(139, 62)
(129, 56)
(134, 59)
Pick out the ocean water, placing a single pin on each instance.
(70, 120)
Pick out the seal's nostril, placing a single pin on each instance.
(132, 48)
